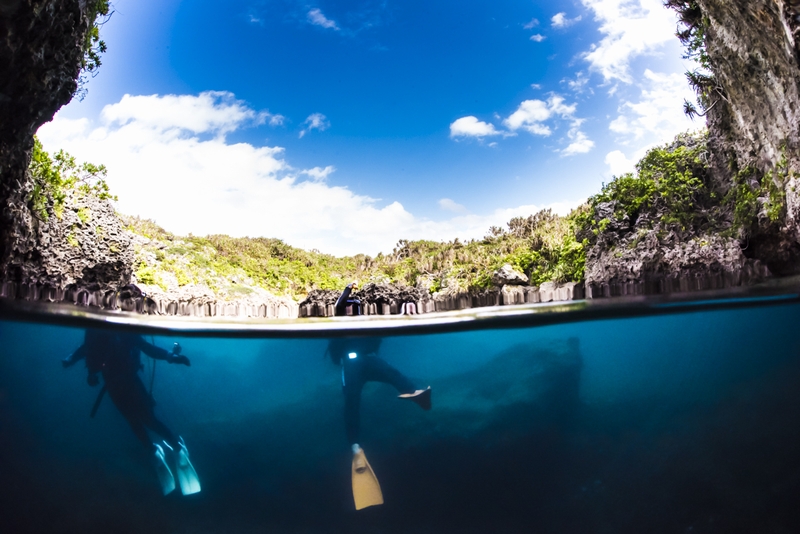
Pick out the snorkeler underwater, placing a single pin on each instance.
(377, 266)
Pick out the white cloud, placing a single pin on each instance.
(315, 121)
(658, 115)
(580, 144)
(620, 164)
(631, 28)
(532, 24)
(211, 112)
(179, 170)
(538, 38)
(318, 173)
(531, 114)
(536, 86)
(471, 127)
(579, 83)
(451, 205)
(560, 20)
(316, 18)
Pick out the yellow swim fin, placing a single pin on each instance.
(366, 489)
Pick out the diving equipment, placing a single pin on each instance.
(162, 469)
(366, 489)
(421, 397)
(187, 476)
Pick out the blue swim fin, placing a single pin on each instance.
(162, 469)
(187, 476)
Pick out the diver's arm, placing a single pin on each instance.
(75, 357)
(341, 303)
(160, 354)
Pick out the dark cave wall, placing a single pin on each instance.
(41, 54)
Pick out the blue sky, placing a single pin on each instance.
(346, 126)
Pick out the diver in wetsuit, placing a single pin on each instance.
(360, 364)
(117, 357)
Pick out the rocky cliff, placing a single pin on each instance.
(42, 48)
(750, 90)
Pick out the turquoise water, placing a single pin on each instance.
(639, 417)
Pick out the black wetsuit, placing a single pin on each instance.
(117, 357)
(344, 301)
(360, 364)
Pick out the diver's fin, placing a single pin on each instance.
(421, 396)
(366, 489)
(164, 474)
(187, 476)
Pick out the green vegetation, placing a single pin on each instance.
(765, 198)
(693, 37)
(542, 245)
(54, 177)
(670, 190)
(93, 46)
(671, 195)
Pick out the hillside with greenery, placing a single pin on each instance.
(671, 197)
(542, 245)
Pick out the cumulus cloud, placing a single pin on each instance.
(215, 112)
(531, 114)
(619, 164)
(538, 38)
(579, 142)
(471, 127)
(179, 169)
(317, 18)
(631, 28)
(315, 121)
(560, 20)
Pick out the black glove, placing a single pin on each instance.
(66, 362)
(180, 359)
(92, 380)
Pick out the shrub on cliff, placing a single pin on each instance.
(54, 176)
(671, 191)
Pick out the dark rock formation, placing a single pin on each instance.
(42, 44)
(752, 107)
(376, 299)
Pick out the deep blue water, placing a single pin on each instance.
(685, 422)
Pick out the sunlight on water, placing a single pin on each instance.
(682, 422)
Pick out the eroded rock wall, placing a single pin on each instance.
(754, 110)
(41, 52)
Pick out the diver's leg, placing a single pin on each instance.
(352, 383)
(136, 423)
(377, 370)
(162, 430)
(125, 396)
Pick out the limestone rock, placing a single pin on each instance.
(507, 275)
